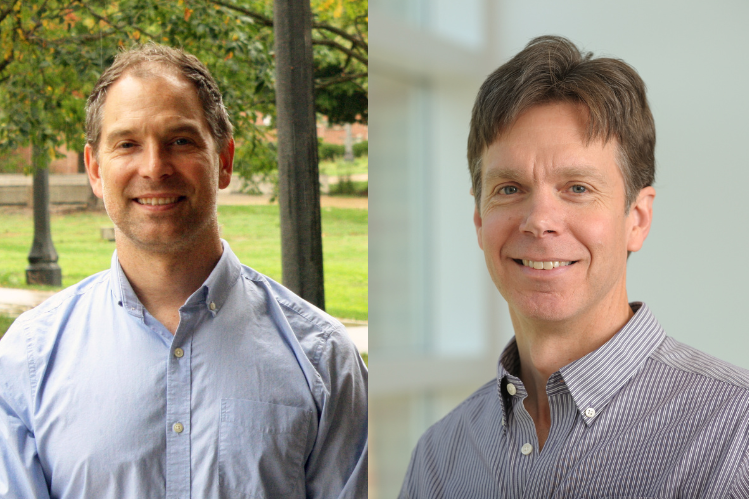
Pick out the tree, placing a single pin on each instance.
(299, 191)
(53, 51)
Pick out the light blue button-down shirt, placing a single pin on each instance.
(258, 394)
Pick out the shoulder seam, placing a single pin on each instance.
(326, 327)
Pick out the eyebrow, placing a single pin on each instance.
(181, 128)
(512, 175)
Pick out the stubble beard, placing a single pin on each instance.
(192, 229)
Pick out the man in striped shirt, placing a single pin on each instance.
(591, 399)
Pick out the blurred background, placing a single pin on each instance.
(437, 324)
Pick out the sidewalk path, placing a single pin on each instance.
(232, 198)
(15, 301)
(359, 333)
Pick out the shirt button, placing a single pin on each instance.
(590, 412)
(511, 389)
(178, 428)
(526, 449)
(212, 306)
(178, 352)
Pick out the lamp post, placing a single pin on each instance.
(43, 267)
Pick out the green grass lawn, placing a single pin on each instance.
(5, 323)
(252, 231)
(343, 168)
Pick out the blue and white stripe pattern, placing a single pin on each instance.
(643, 416)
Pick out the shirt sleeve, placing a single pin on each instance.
(337, 465)
(21, 474)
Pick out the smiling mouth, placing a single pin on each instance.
(549, 265)
(158, 201)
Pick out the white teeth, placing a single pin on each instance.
(544, 265)
(156, 201)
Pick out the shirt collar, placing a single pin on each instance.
(212, 294)
(596, 378)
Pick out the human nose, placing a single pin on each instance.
(543, 215)
(156, 163)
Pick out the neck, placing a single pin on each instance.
(545, 347)
(163, 281)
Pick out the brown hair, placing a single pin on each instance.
(552, 69)
(186, 65)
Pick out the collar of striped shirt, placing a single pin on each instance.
(596, 378)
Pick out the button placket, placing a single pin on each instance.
(178, 441)
(521, 431)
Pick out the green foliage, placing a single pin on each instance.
(348, 187)
(361, 149)
(52, 53)
(346, 102)
(328, 152)
(341, 74)
(331, 152)
(12, 163)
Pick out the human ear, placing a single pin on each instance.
(477, 222)
(226, 165)
(639, 218)
(93, 170)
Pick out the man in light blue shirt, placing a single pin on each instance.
(178, 372)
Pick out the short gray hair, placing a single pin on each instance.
(185, 64)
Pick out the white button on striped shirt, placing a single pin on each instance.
(642, 416)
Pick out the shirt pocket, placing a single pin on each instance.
(261, 449)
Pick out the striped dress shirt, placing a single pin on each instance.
(642, 416)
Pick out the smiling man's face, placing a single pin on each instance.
(553, 222)
(157, 167)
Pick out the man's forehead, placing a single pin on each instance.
(132, 96)
(558, 127)
(152, 73)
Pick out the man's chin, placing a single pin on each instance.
(157, 241)
(543, 308)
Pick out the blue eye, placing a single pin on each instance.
(508, 189)
(579, 189)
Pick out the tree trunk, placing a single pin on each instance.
(299, 183)
(43, 267)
